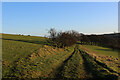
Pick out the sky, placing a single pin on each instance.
(36, 18)
(60, 0)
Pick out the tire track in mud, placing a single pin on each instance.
(72, 67)
(106, 67)
(97, 71)
(59, 64)
(102, 64)
(59, 69)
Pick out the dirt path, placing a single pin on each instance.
(96, 69)
(72, 67)
(56, 71)
(80, 65)
(60, 69)
(99, 59)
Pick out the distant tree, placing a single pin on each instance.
(53, 33)
(85, 39)
(112, 43)
(52, 37)
(67, 39)
(28, 35)
(62, 39)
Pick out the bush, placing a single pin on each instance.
(62, 39)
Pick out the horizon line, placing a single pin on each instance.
(47, 35)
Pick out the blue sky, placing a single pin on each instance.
(36, 18)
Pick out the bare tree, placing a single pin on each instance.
(63, 39)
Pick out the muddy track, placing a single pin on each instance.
(105, 66)
(56, 70)
(93, 67)
(72, 67)
(60, 69)
(84, 68)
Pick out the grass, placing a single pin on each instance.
(15, 50)
(22, 37)
(98, 72)
(102, 50)
(22, 58)
(105, 55)
(39, 64)
(73, 67)
(31, 57)
(12, 50)
(27, 39)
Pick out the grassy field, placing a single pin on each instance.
(32, 57)
(19, 55)
(14, 50)
(105, 55)
(102, 50)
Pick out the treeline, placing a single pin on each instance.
(101, 40)
(68, 38)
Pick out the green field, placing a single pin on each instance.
(102, 50)
(105, 55)
(32, 57)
